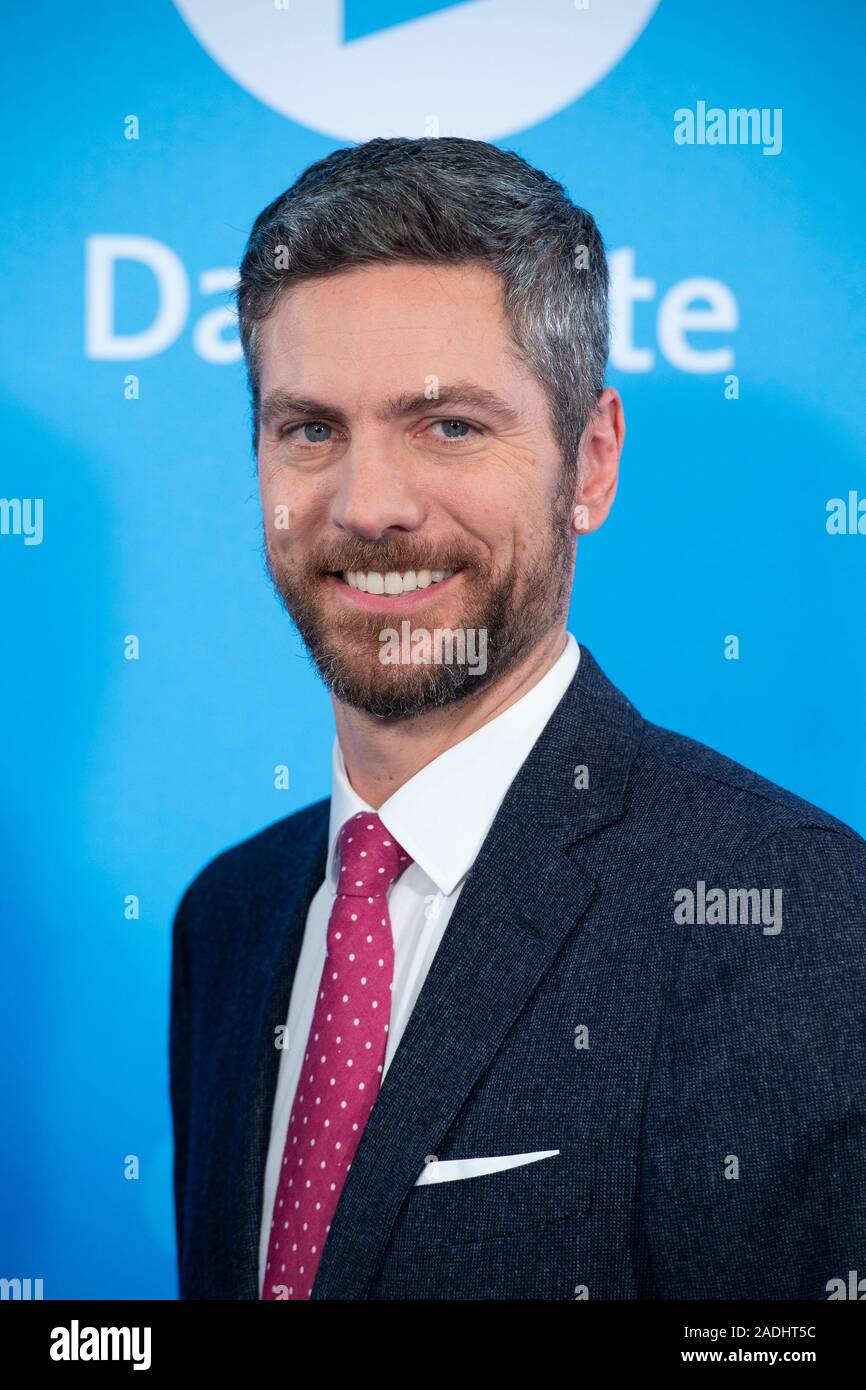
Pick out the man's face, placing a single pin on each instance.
(401, 437)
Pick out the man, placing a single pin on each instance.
(544, 1001)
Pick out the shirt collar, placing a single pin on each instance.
(441, 816)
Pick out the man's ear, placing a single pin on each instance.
(598, 471)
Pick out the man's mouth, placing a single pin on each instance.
(392, 582)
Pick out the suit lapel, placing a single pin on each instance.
(273, 958)
(523, 898)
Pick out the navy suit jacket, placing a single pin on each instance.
(704, 1084)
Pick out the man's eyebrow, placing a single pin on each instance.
(279, 402)
(459, 393)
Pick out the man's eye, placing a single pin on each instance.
(456, 428)
(314, 432)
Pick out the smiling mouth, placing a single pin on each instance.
(392, 583)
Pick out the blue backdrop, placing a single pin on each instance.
(141, 142)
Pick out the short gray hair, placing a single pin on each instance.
(446, 200)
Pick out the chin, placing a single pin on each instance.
(393, 695)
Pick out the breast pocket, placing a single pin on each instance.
(488, 1205)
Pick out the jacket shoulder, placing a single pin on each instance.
(705, 782)
(246, 869)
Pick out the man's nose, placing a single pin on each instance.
(377, 490)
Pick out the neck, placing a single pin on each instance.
(380, 757)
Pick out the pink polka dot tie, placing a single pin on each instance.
(342, 1067)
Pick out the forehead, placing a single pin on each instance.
(388, 327)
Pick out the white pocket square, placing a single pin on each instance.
(450, 1169)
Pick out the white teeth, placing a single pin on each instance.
(393, 583)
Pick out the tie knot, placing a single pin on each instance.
(370, 857)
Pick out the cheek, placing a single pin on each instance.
(278, 513)
(497, 513)
(482, 504)
(509, 501)
(269, 493)
(296, 518)
(281, 520)
(284, 505)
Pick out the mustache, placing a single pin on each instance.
(389, 557)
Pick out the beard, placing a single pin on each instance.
(514, 609)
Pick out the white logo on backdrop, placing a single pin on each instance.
(481, 68)
(685, 310)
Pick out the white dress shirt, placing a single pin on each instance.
(441, 817)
